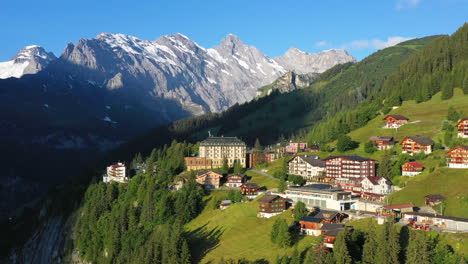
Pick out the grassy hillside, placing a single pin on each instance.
(237, 233)
(425, 119)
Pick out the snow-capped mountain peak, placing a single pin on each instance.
(28, 60)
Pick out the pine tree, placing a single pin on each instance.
(283, 238)
(369, 251)
(225, 166)
(417, 251)
(300, 211)
(452, 114)
(237, 168)
(258, 157)
(465, 85)
(282, 185)
(340, 249)
(393, 244)
(385, 165)
(185, 253)
(447, 91)
(274, 231)
(296, 257)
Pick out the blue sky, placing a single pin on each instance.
(360, 26)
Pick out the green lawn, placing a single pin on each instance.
(237, 233)
(262, 181)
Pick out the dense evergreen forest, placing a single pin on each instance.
(141, 222)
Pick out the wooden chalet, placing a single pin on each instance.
(234, 180)
(330, 216)
(433, 199)
(271, 205)
(209, 179)
(383, 143)
(415, 144)
(411, 168)
(224, 204)
(249, 189)
(458, 157)
(462, 127)
(310, 225)
(395, 121)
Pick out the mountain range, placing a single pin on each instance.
(100, 92)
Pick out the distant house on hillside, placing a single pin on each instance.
(411, 168)
(234, 180)
(295, 147)
(383, 143)
(116, 173)
(224, 204)
(395, 121)
(307, 166)
(330, 232)
(458, 157)
(415, 144)
(249, 189)
(375, 188)
(462, 126)
(433, 199)
(209, 179)
(271, 205)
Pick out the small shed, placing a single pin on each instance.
(434, 199)
(224, 204)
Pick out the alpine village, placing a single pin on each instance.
(365, 163)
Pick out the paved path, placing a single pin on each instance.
(264, 174)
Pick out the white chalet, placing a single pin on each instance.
(307, 166)
(375, 188)
(116, 172)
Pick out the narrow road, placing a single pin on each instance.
(264, 174)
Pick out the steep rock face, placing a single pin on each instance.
(29, 60)
(174, 67)
(302, 62)
(289, 82)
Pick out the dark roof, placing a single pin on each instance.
(313, 160)
(334, 232)
(268, 198)
(381, 139)
(356, 158)
(251, 185)
(311, 219)
(398, 117)
(422, 140)
(399, 206)
(453, 218)
(214, 141)
(326, 214)
(435, 197)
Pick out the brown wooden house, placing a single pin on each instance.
(329, 216)
(249, 189)
(271, 205)
(235, 180)
(415, 144)
(310, 225)
(462, 127)
(383, 143)
(395, 121)
(411, 168)
(209, 179)
(330, 232)
(458, 157)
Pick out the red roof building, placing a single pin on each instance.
(411, 168)
(458, 157)
(395, 121)
(462, 127)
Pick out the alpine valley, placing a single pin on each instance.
(103, 91)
